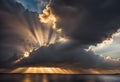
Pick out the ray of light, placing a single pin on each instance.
(18, 70)
(30, 34)
(43, 70)
(44, 79)
(27, 79)
(57, 70)
(27, 34)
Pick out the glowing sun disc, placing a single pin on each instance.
(26, 54)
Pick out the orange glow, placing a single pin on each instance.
(44, 78)
(57, 70)
(26, 54)
(43, 70)
(48, 17)
(47, 70)
(27, 79)
(63, 39)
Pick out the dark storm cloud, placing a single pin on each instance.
(75, 58)
(16, 30)
(89, 21)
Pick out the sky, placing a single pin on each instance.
(79, 35)
(33, 5)
(111, 48)
(38, 6)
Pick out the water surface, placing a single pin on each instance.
(58, 78)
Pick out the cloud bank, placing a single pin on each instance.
(84, 22)
(69, 56)
(89, 21)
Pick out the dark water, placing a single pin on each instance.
(58, 78)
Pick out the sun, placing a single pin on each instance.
(26, 54)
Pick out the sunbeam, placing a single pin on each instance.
(43, 70)
(59, 37)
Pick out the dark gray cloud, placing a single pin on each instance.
(17, 31)
(89, 21)
(12, 30)
(86, 22)
(64, 56)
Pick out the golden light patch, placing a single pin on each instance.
(108, 58)
(62, 39)
(57, 70)
(48, 17)
(43, 70)
(26, 54)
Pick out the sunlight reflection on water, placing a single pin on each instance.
(57, 78)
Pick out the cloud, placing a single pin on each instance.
(89, 21)
(21, 31)
(69, 57)
(83, 22)
(109, 47)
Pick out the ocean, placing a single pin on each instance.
(58, 78)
